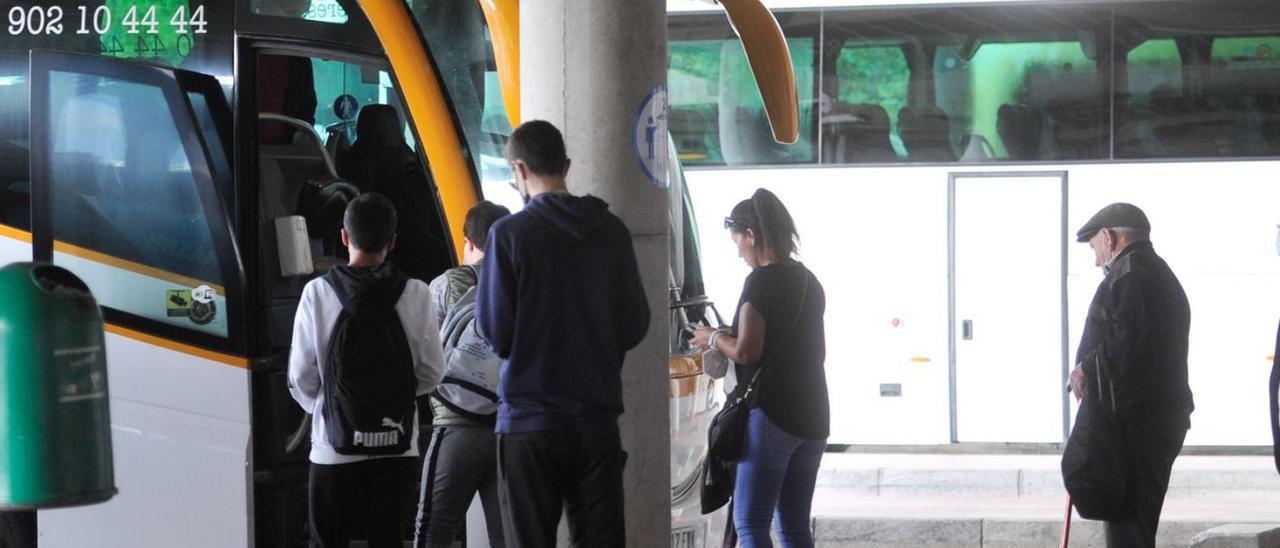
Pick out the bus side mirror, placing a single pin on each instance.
(293, 246)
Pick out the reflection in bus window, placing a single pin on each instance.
(1146, 120)
(461, 44)
(322, 11)
(861, 125)
(1241, 95)
(127, 215)
(717, 114)
(15, 186)
(1023, 101)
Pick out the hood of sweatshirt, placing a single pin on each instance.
(360, 288)
(578, 218)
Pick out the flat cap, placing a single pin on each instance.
(1114, 216)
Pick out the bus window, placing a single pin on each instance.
(127, 212)
(717, 116)
(15, 188)
(1244, 74)
(1023, 101)
(1146, 119)
(461, 45)
(861, 124)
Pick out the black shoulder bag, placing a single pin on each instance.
(728, 433)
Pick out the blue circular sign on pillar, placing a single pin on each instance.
(649, 137)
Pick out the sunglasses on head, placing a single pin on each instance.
(729, 222)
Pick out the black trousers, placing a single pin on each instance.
(543, 473)
(1151, 449)
(376, 490)
(461, 461)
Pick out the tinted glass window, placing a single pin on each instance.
(717, 115)
(15, 186)
(126, 209)
(1023, 101)
(462, 47)
(861, 124)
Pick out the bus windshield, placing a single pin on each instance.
(460, 43)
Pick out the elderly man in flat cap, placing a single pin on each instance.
(1136, 334)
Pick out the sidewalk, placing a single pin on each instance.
(945, 501)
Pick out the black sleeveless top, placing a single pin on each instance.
(792, 388)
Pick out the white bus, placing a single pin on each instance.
(949, 151)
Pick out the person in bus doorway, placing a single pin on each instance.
(462, 456)
(1136, 331)
(560, 300)
(778, 344)
(365, 346)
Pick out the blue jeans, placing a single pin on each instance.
(777, 474)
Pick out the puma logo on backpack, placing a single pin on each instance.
(369, 384)
(470, 381)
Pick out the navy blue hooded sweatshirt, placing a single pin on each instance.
(560, 300)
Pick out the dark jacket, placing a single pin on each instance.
(561, 301)
(1137, 332)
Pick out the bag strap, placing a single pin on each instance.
(804, 297)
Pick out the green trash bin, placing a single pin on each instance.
(55, 423)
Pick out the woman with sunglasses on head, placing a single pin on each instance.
(778, 345)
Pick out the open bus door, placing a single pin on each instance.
(127, 168)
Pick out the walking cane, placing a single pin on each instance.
(1066, 524)
(1066, 521)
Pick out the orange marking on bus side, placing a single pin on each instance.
(228, 359)
(16, 234)
(921, 359)
(137, 268)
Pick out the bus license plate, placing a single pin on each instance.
(683, 538)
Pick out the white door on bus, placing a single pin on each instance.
(1008, 299)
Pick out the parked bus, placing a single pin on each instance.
(948, 152)
(161, 150)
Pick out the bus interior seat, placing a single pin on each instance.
(381, 161)
(926, 133)
(858, 133)
(1079, 128)
(378, 128)
(1267, 105)
(1169, 120)
(1019, 127)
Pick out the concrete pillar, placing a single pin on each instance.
(587, 66)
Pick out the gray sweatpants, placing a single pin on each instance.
(460, 461)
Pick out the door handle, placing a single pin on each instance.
(966, 330)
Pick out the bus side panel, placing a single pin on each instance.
(877, 240)
(180, 435)
(1215, 224)
(13, 246)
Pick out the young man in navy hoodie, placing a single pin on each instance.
(343, 486)
(561, 301)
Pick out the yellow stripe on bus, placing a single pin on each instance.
(20, 235)
(91, 255)
(428, 108)
(503, 17)
(228, 359)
